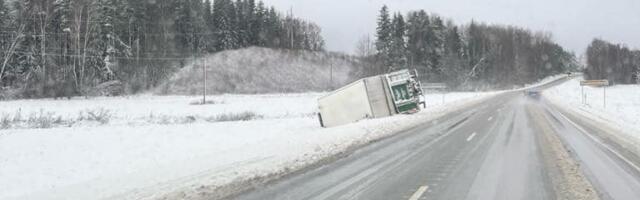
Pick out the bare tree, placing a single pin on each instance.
(10, 49)
(365, 47)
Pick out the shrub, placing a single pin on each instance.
(100, 115)
(41, 120)
(208, 102)
(244, 116)
(5, 121)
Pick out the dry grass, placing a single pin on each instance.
(43, 120)
(208, 102)
(244, 116)
(100, 115)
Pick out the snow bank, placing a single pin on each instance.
(544, 81)
(622, 103)
(124, 161)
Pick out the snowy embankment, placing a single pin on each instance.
(543, 81)
(131, 158)
(622, 109)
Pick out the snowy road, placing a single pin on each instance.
(511, 147)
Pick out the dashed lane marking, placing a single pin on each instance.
(471, 136)
(419, 192)
(490, 118)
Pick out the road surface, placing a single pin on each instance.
(508, 147)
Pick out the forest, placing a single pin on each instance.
(471, 56)
(64, 48)
(614, 62)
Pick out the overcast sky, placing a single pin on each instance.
(573, 23)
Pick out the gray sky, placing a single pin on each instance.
(573, 23)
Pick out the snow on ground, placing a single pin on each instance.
(121, 160)
(138, 110)
(622, 103)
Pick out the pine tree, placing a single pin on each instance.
(398, 46)
(224, 16)
(258, 25)
(435, 45)
(253, 21)
(184, 27)
(418, 31)
(273, 29)
(383, 41)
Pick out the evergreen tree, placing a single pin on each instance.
(185, 27)
(418, 30)
(435, 45)
(383, 41)
(258, 25)
(224, 17)
(398, 46)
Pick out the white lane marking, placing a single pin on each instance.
(601, 143)
(419, 192)
(490, 118)
(471, 136)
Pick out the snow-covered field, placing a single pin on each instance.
(131, 158)
(622, 103)
(140, 110)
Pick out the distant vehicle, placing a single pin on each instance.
(534, 94)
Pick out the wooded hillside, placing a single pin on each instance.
(52, 48)
(615, 62)
(470, 56)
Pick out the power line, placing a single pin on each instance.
(39, 34)
(102, 57)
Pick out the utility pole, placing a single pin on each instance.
(604, 97)
(331, 76)
(204, 78)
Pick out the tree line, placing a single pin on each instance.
(51, 48)
(465, 57)
(614, 62)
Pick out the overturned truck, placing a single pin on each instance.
(372, 97)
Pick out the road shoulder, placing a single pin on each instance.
(568, 180)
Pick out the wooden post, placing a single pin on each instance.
(604, 97)
(582, 98)
(204, 85)
(331, 76)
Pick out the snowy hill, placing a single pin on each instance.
(263, 70)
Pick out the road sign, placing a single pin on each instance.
(594, 83)
(436, 86)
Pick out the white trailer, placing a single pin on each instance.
(372, 97)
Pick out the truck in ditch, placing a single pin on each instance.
(372, 97)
